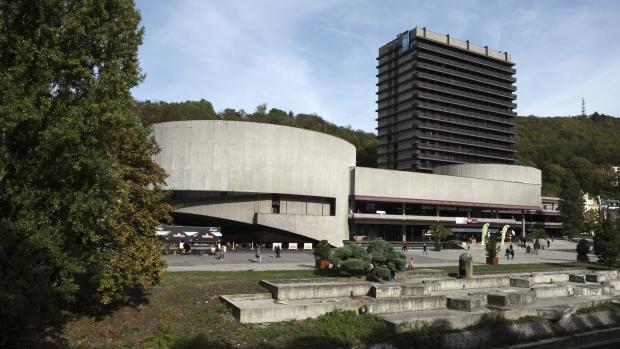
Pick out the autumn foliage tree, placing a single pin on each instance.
(79, 198)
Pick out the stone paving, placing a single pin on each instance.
(560, 251)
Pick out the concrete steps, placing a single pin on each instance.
(549, 295)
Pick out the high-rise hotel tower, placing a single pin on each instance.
(444, 101)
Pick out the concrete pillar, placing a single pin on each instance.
(466, 266)
(403, 208)
(403, 230)
(523, 223)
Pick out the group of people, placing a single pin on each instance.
(258, 258)
(405, 247)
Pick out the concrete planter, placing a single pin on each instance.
(492, 260)
(322, 264)
(583, 258)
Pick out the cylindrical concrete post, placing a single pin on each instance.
(466, 266)
(523, 224)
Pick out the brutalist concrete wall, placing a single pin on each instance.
(370, 182)
(245, 157)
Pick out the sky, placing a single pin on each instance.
(319, 56)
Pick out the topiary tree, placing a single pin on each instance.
(607, 243)
(385, 259)
(351, 259)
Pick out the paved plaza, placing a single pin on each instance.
(561, 251)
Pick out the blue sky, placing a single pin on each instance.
(318, 56)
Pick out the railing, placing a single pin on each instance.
(467, 141)
(465, 122)
(465, 57)
(444, 89)
(436, 58)
(468, 85)
(460, 74)
(463, 131)
(437, 97)
(465, 151)
(458, 111)
(462, 159)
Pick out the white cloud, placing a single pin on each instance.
(319, 56)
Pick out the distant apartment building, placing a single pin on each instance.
(443, 101)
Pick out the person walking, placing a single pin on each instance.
(424, 249)
(181, 244)
(404, 246)
(548, 243)
(507, 253)
(278, 252)
(410, 264)
(512, 252)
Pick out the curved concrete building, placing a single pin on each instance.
(263, 182)
(274, 179)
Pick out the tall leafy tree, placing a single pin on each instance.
(571, 206)
(79, 197)
(591, 220)
(607, 242)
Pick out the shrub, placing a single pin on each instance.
(351, 259)
(583, 247)
(385, 259)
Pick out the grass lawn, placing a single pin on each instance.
(184, 311)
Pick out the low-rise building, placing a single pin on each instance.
(270, 183)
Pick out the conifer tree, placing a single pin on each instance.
(571, 206)
(607, 242)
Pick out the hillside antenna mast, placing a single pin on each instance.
(583, 107)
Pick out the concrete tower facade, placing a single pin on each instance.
(443, 101)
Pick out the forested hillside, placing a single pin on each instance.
(586, 146)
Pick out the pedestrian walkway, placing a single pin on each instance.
(561, 251)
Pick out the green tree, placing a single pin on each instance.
(590, 220)
(439, 233)
(607, 243)
(79, 198)
(538, 234)
(571, 206)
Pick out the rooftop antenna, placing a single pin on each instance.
(583, 107)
